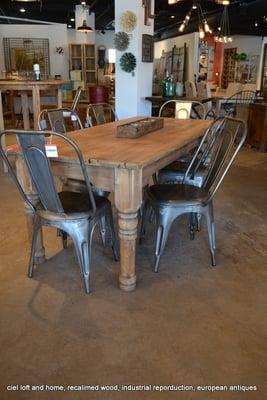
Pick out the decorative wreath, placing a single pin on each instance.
(121, 41)
(239, 57)
(128, 62)
(128, 21)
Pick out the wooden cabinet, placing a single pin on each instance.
(83, 59)
(257, 126)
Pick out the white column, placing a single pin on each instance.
(131, 90)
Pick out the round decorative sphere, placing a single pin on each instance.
(121, 41)
(128, 62)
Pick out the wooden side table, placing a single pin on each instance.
(257, 126)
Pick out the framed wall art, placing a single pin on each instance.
(147, 48)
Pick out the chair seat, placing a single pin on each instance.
(76, 205)
(178, 194)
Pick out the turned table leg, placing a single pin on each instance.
(27, 187)
(59, 97)
(25, 110)
(36, 105)
(128, 198)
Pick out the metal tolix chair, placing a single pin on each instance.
(183, 109)
(72, 212)
(63, 120)
(100, 113)
(172, 200)
(175, 172)
(231, 103)
(59, 120)
(76, 98)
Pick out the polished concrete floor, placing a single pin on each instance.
(190, 324)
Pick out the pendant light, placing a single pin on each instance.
(84, 28)
(224, 29)
(203, 25)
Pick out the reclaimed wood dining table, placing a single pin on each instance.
(23, 87)
(123, 166)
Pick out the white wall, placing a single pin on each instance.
(246, 44)
(57, 36)
(191, 40)
(106, 40)
(251, 45)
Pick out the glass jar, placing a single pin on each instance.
(179, 89)
(167, 87)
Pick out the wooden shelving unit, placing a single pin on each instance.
(229, 67)
(83, 58)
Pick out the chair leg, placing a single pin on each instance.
(102, 229)
(81, 234)
(192, 226)
(211, 233)
(33, 246)
(198, 221)
(114, 242)
(144, 219)
(163, 228)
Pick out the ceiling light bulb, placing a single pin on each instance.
(206, 27)
(72, 19)
(173, 1)
(225, 2)
(219, 28)
(22, 10)
(201, 33)
(181, 28)
(69, 26)
(172, 16)
(194, 7)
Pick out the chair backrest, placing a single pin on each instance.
(190, 89)
(220, 145)
(100, 113)
(250, 86)
(76, 98)
(32, 145)
(182, 109)
(243, 97)
(59, 120)
(204, 92)
(232, 88)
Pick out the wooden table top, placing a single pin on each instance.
(14, 83)
(101, 146)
